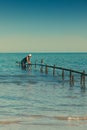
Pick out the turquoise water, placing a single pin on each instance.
(28, 97)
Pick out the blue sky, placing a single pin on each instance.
(43, 25)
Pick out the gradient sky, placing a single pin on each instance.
(43, 25)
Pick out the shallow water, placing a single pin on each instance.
(30, 99)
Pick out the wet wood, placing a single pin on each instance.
(83, 74)
(46, 69)
(54, 70)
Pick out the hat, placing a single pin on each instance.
(30, 55)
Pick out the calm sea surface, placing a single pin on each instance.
(30, 98)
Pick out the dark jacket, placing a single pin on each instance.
(24, 60)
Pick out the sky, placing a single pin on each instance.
(43, 25)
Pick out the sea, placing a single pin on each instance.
(35, 100)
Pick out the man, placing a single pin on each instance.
(26, 60)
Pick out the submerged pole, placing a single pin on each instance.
(71, 79)
(70, 75)
(63, 74)
(35, 64)
(84, 78)
(82, 82)
(41, 68)
(46, 69)
(54, 70)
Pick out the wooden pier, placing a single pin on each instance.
(44, 69)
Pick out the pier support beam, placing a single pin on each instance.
(54, 70)
(41, 68)
(35, 64)
(63, 74)
(46, 69)
(83, 80)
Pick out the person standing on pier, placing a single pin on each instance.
(26, 60)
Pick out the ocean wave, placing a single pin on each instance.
(56, 117)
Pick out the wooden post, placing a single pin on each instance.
(53, 70)
(72, 80)
(41, 68)
(83, 79)
(63, 74)
(70, 75)
(35, 64)
(46, 69)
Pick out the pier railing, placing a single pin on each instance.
(44, 68)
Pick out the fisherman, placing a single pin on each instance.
(26, 60)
